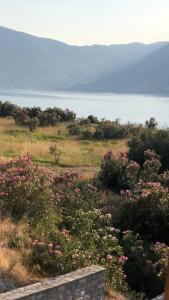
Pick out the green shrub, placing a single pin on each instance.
(91, 240)
(87, 134)
(157, 140)
(85, 121)
(117, 172)
(74, 129)
(146, 211)
(25, 192)
(93, 119)
(151, 123)
(55, 151)
(146, 265)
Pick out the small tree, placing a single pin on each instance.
(32, 124)
(55, 151)
(151, 124)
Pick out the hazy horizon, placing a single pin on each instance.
(89, 22)
(92, 44)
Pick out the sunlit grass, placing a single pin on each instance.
(17, 141)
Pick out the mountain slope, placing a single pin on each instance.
(149, 75)
(30, 62)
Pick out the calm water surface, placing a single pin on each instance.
(133, 108)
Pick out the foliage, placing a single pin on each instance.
(25, 192)
(117, 172)
(93, 119)
(74, 223)
(55, 151)
(32, 117)
(107, 130)
(7, 109)
(146, 265)
(146, 211)
(151, 123)
(157, 140)
(74, 129)
(91, 241)
(87, 134)
(32, 124)
(143, 209)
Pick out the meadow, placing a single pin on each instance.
(75, 153)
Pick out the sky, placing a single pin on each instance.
(86, 22)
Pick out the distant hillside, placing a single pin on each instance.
(29, 62)
(149, 75)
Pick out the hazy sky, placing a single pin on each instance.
(89, 21)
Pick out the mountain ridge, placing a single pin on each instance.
(149, 75)
(30, 62)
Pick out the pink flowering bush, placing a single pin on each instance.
(146, 211)
(90, 241)
(68, 229)
(73, 223)
(71, 194)
(157, 140)
(26, 192)
(117, 172)
(146, 265)
(143, 209)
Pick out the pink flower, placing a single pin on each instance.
(51, 251)
(3, 194)
(35, 242)
(109, 257)
(145, 193)
(123, 259)
(126, 233)
(58, 252)
(65, 232)
(77, 190)
(41, 244)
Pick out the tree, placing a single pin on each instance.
(32, 124)
(151, 123)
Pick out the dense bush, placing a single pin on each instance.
(146, 211)
(74, 223)
(145, 205)
(87, 134)
(90, 241)
(7, 109)
(151, 123)
(70, 232)
(74, 129)
(146, 265)
(26, 192)
(32, 117)
(113, 130)
(93, 119)
(117, 172)
(157, 140)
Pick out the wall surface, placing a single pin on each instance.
(159, 298)
(83, 284)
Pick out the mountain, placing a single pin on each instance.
(29, 62)
(149, 75)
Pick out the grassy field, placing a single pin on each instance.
(17, 141)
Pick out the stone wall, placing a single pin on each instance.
(159, 298)
(84, 284)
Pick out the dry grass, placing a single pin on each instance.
(112, 295)
(19, 141)
(11, 257)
